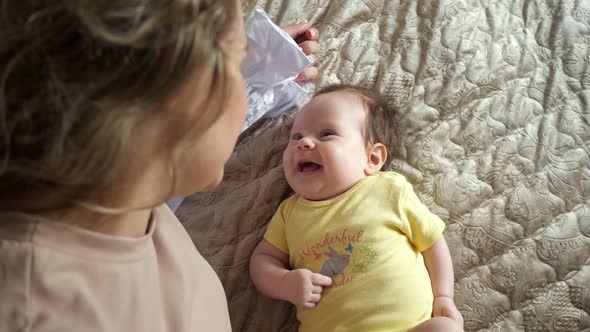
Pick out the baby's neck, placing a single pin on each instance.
(334, 195)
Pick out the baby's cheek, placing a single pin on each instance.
(287, 156)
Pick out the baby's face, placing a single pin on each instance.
(327, 153)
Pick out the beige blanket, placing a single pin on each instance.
(494, 97)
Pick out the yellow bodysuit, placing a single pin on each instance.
(369, 240)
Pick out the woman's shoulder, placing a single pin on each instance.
(49, 263)
(15, 258)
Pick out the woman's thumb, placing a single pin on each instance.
(298, 29)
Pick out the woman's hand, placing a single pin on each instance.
(307, 38)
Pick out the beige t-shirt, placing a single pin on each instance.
(56, 277)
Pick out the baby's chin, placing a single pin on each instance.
(315, 195)
(318, 190)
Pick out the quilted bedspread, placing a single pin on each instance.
(495, 118)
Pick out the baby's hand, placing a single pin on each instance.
(304, 288)
(445, 307)
(307, 38)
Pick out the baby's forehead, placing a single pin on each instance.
(339, 95)
(332, 107)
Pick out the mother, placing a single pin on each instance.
(108, 109)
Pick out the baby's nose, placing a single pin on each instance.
(305, 143)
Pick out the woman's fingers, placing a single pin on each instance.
(306, 37)
(298, 30)
(312, 34)
(308, 74)
(310, 47)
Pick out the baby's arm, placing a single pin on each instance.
(440, 268)
(271, 276)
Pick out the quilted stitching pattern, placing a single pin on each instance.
(494, 110)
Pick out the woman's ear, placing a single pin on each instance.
(376, 155)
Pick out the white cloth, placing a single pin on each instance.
(273, 62)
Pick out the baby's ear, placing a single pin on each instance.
(376, 155)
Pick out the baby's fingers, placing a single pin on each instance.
(316, 289)
(309, 305)
(314, 298)
(312, 301)
(320, 280)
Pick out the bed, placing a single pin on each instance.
(493, 100)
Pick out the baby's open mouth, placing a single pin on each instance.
(308, 166)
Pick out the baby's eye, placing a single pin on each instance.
(325, 133)
(296, 136)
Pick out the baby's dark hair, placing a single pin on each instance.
(381, 125)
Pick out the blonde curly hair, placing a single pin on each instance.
(77, 76)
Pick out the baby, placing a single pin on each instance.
(357, 238)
